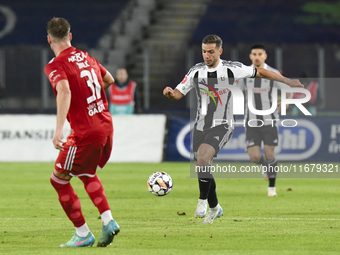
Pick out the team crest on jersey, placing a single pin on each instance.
(222, 78)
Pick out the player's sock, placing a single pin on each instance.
(272, 165)
(106, 217)
(212, 197)
(262, 161)
(204, 181)
(95, 190)
(68, 200)
(83, 230)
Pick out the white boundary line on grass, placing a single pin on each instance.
(36, 218)
(264, 218)
(222, 218)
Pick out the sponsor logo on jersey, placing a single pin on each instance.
(208, 92)
(78, 57)
(184, 80)
(95, 108)
(260, 90)
(51, 74)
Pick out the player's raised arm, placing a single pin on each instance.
(172, 94)
(264, 73)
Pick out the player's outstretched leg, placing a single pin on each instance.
(95, 190)
(71, 205)
(272, 165)
(215, 210)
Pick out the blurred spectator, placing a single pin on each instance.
(315, 99)
(124, 95)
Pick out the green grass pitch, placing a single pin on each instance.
(303, 219)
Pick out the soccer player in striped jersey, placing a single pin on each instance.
(262, 128)
(209, 138)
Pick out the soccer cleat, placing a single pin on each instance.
(272, 192)
(201, 209)
(212, 214)
(77, 241)
(108, 233)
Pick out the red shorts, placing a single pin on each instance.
(84, 160)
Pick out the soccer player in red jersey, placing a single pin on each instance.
(79, 81)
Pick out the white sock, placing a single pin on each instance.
(106, 217)
(215, 208)
(83, 230)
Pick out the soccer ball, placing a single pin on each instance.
(159, 183)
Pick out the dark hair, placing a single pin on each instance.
(58, 27)
(213, 39)
(258, 46)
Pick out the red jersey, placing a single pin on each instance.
(124, 95)
(313, 89)
(89, 117)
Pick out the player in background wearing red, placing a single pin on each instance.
(78, 81)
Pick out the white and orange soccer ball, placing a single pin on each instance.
(159, 183)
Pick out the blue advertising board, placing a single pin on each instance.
(314, 139)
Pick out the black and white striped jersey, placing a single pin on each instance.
(262, 98)
(214, 99)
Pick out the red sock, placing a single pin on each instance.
(95, 190)
(68, 200)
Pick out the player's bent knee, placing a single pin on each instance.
(269, 155)
(255, 158)
(203, 160)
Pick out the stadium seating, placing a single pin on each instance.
(89, 19)
(280, 21)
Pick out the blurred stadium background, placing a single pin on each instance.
(159, 40)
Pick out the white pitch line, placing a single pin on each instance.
(263, 218)
(35, 218)
(222, 218)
